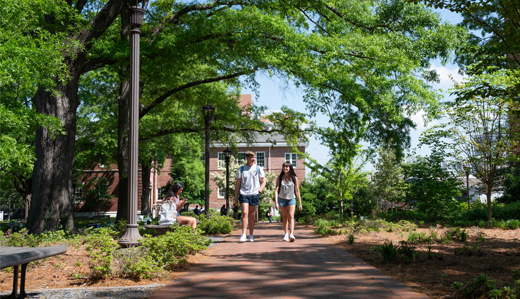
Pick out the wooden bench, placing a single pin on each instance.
(16, 256)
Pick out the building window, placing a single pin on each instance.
(159, 193)
(260, 159)
(241, 158)
(221, 193)
(78, 193)
(290, 158)
(221, 161)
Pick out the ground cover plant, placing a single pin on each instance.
(94, 257)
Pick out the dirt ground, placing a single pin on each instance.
(499, 254)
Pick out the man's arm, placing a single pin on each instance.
(264, 181)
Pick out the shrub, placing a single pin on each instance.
(217, 225)
(388, 251)
(418, 237)
(100, 247)
(136, 263)
(171, 249)
(351, 239)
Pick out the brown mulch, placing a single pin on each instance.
(500, 253)
(70, 270)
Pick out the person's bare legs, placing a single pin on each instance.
(251, 219)
(285, 219)
(290, 217)
(188, 221)
(245, 217)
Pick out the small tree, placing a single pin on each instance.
(430, 188)
(387, 180)
(477, 133)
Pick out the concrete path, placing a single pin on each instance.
(272, 268)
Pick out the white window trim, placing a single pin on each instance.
(295, 165)
(238, 160)
(257, 159)
(218, 193)
(219, 164)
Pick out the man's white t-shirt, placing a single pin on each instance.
(250, 179)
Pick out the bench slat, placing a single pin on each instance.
(14, 256)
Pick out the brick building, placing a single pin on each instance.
(269, 156)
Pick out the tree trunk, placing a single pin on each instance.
(123, 128)
(145, 194)
(26, 205)
(23, 186)
(51, 202)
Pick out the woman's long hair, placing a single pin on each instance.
(173, 190)
(292, 174)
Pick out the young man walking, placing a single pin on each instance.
(250, 183)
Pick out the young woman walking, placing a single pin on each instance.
(287, 189)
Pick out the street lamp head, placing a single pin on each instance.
(208, 110)
(137, 12)
(227, 152)
(144, 4)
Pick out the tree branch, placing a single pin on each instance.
(162, 98)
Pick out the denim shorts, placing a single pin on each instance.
(252, 200)
(286, 202)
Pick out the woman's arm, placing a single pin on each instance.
(181, 204)
(276, 193)
(297, 191)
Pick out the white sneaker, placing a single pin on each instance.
(286, 237)
(292, 238)
(251, 238)
(243, 238)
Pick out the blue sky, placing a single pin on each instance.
(275, 94)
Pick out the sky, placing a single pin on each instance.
(275, 94)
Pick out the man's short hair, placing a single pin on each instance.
(250, 153)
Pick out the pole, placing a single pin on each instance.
(207, 121)
(131, 236)
(467, 186)
(227, 186)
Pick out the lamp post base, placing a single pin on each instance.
(131, 237)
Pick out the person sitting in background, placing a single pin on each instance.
(223, 210)
(269, 215)
(173, 195)
(196, 210)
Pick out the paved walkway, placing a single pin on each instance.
(272, 268)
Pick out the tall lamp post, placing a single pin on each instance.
(207, 111)
(131, 236)
(227, 156)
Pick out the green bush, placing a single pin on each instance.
(388, 251)
(100, 246)
(499, 211)
(418, 237)
(136, 263)
(172, 248)
(216, 225)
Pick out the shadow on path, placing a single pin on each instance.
(269, 267)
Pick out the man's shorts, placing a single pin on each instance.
(252, 200)
(286, 202)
